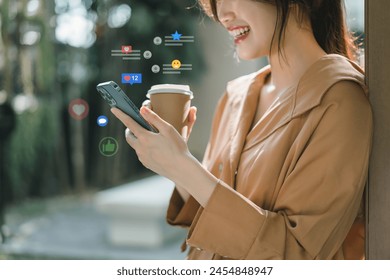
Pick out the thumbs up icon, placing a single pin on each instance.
(108, 146)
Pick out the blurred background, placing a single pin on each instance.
(61, 196)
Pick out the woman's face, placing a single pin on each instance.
(251, 24)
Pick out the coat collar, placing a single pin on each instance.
(298, 99)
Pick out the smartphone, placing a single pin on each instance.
(115, 97)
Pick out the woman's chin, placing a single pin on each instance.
(247, 55)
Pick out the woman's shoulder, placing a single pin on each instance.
(331, 69)
(331, 74)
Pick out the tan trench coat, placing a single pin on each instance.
(291, 187)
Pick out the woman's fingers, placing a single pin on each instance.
(127, 121)
(147, 103)
(131, 139)
(191, 120)
(153, 149)
(152, 118)
(192, 115)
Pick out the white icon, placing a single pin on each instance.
(157, 41)
(147, 54)
(78, 109)
(155, 68)
(102, 120)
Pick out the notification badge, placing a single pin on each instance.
(131, 78)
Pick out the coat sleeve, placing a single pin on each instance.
(182, 213)
(328, 177)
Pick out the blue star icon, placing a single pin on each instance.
(176, 36)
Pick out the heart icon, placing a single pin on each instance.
(127, 78)
(127, 49)
(78, 109)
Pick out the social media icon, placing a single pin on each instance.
(147, 54)
(102, 121)
(127, 49)
(131, 78)
(78, 109)
(176, 36)
(155, 68)
(176, 64)
(108, 146)
(157, 41)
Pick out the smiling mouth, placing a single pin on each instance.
(240, 33)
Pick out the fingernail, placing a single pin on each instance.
(145, 110)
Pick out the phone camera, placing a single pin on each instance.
(107, 97)
(111, 101)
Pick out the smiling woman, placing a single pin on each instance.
(325, 19)
(286, 164)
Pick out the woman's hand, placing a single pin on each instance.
(160, 152)
(191, 119)
(167, 154)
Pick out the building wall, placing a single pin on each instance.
(377, 74)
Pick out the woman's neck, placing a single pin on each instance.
(300, 52)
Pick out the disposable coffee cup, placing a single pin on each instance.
(172, 103)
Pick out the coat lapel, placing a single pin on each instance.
(246, 96)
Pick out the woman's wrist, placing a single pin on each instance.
(194, 178)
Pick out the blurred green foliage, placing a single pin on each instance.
(49, 152)
(31, 151)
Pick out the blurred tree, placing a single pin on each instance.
(52, 52)
(27, 54)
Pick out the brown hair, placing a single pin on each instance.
(327, 18)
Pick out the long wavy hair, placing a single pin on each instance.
(327, 19)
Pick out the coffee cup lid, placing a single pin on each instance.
(170, 88)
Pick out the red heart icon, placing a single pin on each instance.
(127, 78)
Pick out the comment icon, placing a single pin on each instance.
(102, 121)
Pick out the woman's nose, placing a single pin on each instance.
(224, 10)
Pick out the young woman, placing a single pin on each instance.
(286, 164)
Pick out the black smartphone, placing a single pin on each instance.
(115, 97)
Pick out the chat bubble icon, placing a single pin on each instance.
(131, 78)
(102, 121)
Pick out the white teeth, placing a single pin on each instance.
(239, 32)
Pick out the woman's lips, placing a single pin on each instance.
(239, 33)
(241, 38)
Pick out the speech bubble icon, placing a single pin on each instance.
(102, 120)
